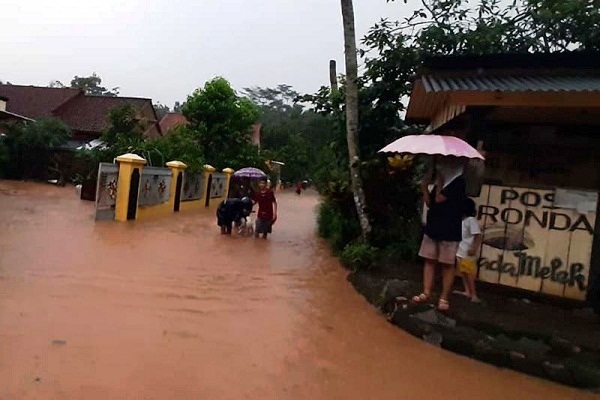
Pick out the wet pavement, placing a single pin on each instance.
(170, 309)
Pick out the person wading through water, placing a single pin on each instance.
(267, 209)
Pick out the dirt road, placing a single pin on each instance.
(170, 309)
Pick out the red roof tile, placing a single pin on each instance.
(36, 102)
(171, 120)
(90, 113)
(86, 115)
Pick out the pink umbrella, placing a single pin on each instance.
(432, 145)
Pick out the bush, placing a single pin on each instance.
(30, 147)
(401, 251)
(338, 229)
(4, 157)
(358, 256)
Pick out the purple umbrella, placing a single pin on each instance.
(249, 172)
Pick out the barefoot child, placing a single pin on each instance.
(466, 259)
(267, 209)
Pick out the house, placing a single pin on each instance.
(172, 120)
(537, 117)
(87, 116)
(9, 117)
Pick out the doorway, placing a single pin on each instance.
(208, 191)
(178, 192)
(133, 194)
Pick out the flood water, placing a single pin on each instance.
(170, 309)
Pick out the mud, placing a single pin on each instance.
(170, 309)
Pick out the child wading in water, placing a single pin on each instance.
(467, 251)
(267, 209)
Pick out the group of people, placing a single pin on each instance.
(452, 235)
(235, 211)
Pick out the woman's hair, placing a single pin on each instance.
(470, 209)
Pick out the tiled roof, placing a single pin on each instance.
(7, 115)
(171, 120)
(90, 113)
(36, 102)
(513, 83)
(577, 60)
(85, 115)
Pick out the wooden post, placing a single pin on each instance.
(333, 76)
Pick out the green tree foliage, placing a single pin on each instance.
(180, 144)
(126, 135)
(28, 147)
(124, 125)
(177, 107)
(161, 110)
(392, 52)
(92, 85)
(289, 132)
(56, 84)
(394, 49)
(222, 122)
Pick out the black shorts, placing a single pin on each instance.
(263, 226)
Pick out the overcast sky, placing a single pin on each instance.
(164, 49)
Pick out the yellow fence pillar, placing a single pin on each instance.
(228, 173)
(208, 171)
(128, 163)
(177, 168)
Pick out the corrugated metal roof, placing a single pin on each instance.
(532, 83)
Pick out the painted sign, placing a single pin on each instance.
(531, 243)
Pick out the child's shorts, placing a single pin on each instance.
(467, 266)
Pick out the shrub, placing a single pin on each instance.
(30, 146)
(338, 229)
(358, 256)
(401, 251)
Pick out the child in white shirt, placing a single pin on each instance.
(466, 259)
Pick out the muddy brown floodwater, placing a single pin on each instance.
(170, 309)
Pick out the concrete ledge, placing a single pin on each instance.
(519, 348)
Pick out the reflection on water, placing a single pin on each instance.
(170, 309)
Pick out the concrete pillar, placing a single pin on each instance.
(177, 168)
(228, 173)
(208, 171)
(127, 164)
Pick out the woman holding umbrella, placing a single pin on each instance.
(443, 227)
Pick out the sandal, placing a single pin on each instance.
(422, 298)
(443, 305)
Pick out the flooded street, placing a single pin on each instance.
(170, 309)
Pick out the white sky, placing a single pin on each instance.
(164, 49)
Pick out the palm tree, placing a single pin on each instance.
(352, 116)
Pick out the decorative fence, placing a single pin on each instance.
(106, 191)
(218, 187)
(155, 186)
(130, 190)
(193, 187)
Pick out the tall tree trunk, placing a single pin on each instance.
(352, 116)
